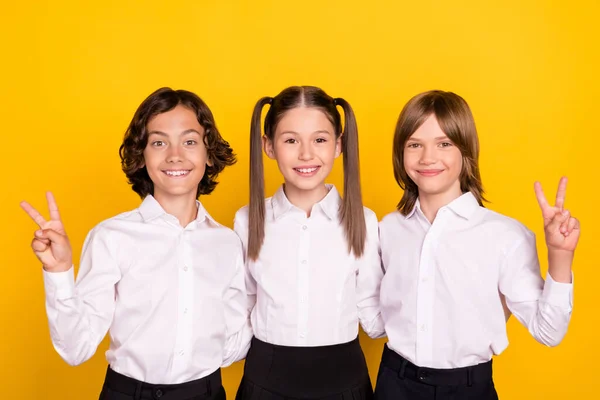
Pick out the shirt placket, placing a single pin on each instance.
(303, 282)
(185, 303)
(426, 292)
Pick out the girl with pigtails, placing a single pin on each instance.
(313, 269)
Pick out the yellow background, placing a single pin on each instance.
(73, 73)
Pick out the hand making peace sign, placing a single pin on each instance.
(561, 229)
(50, 244)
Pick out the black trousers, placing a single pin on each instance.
(399, 379)
(337, 372)
(121, 387)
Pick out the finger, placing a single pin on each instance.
(33, 213)
(541, 198)
(38, 246)
(561, 193)
(54, 236)
(564, 227)
(573, 225)
(39, 235)
(556, 221)
(568, 228)
(54, 213)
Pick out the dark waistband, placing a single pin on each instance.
(453, 377)
(313, 371)
(306, 351)
(138, 389)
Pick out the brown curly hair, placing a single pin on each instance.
(136, 138)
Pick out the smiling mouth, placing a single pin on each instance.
(430, 172)
(307, 171)
(178, 173)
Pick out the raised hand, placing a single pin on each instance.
(561, 229)
(50, 243)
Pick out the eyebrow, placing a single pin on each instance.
(437, 138)
(296, 133)
(181, 134)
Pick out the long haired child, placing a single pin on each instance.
(312, 256)
(450, 263)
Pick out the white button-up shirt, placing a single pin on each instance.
(173, 298)
(307, 288)
(440, 295)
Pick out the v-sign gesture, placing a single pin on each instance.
(50, 244)
(561, 229)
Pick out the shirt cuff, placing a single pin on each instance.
(557, 293)
(60, 285)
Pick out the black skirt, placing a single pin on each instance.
(332, 372)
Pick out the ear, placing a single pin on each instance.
(338, 146)
(268, 147)
(209, 162)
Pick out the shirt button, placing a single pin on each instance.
(304, 227)
(181, 353)
(303, 261)
(423, 328)
(185, 311)
(302, 334)
(424, 280)
(185, 268)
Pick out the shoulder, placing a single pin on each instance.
(118, 222)
(370, 218)
(241, 215)
(505, 225)
(391, 220)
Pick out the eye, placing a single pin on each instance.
(413, 145)
(321, 140)
(290, 140)
(190, 142)
(158, 143)
(445, 144)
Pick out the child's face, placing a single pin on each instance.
(175, 155)
(433, 162)
(305, 148)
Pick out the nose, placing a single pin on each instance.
(174, 154)
(427, 156)
(306, 151)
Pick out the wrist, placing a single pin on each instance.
(559, 264)
(57, 268)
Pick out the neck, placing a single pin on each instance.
(305, 199)
(183, 208)
(431, 203)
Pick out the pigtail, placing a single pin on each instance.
(256, 219)
(352, 215)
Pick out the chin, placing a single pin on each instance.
(306, 185)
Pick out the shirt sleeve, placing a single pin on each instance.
(240, 226)
(237, 316)
(80, 313)
(543, 307)
(368, 282)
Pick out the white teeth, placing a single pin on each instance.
(306, 170)
(176, 173)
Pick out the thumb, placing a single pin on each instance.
(39, 245)
(559, 218)
(52, 235)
